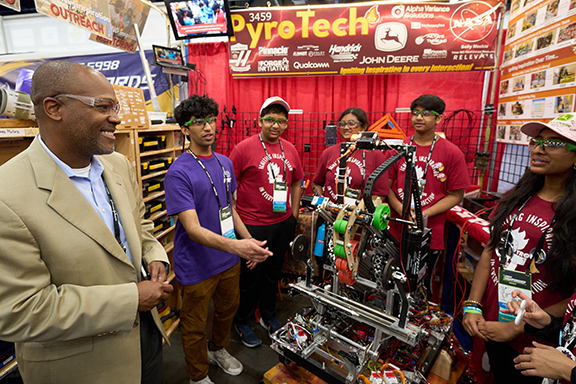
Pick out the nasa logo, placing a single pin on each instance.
(473, 22)
(390, 37)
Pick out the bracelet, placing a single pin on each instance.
(473, 303)
(474, 310)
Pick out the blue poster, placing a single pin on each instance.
(121, 68)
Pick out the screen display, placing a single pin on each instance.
(164, 55)
(199, 18)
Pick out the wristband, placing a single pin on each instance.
(474, 310)
(473, 303)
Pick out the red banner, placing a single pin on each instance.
(377, 38)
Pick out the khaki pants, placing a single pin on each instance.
(224, 290)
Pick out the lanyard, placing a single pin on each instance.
(429, 155)
(114, 215)
(270, 160)
(517, 213)
(212, 182)
(505, 248)
(536, 251)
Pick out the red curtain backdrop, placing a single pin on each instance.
(327, 93)
(323, 98)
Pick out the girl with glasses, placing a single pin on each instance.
(531, 248)
(359, 166)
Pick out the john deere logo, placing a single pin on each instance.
(564, 117)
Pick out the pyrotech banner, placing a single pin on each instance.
(375, 38)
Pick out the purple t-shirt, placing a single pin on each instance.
(188, 187)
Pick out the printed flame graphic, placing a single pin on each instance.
(373, 16)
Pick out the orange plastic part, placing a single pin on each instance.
(387, 128)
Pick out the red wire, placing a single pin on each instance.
(457, 283)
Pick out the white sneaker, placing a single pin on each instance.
(224, 360)
(205, 380)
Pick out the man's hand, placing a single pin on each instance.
(150, 294)
(471, 322)
(252, 250)
(157, 270)
(498, 331)
(544, 361)
(534, 315)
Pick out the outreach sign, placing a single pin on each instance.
(374, 38)
(92, 16)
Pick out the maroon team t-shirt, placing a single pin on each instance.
(531, 222)
(446, 172)
(356, 176)
(255, 181)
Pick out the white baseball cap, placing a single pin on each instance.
(564, 125)
(275, 100)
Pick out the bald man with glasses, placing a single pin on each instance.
(73, 241)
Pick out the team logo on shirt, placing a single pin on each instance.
(227, 177)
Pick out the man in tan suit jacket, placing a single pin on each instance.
(72, 298)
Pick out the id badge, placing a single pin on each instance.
(508, 281)
(351, 196)
(280, 196)
(227, 223)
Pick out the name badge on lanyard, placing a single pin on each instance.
(280, 196)
(227, 223)
(351, 196)
(508, 281)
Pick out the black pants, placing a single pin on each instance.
(501, 357)
(260, 285)
(150, 350)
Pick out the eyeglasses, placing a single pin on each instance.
(106, 106)
(551, 146)
(269, 121)
(350, 123)
(200, 123)
(424, 113)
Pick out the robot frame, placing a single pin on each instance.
(368, 308)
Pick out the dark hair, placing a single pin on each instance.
(561, 261)
(274, 108)
(197, 106)
(360, 115)
(430, 103)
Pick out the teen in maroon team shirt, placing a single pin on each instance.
(441, 172)
(532, 238)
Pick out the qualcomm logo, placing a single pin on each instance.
(310, 65)
(390, 37)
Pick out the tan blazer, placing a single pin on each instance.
(68, 295)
